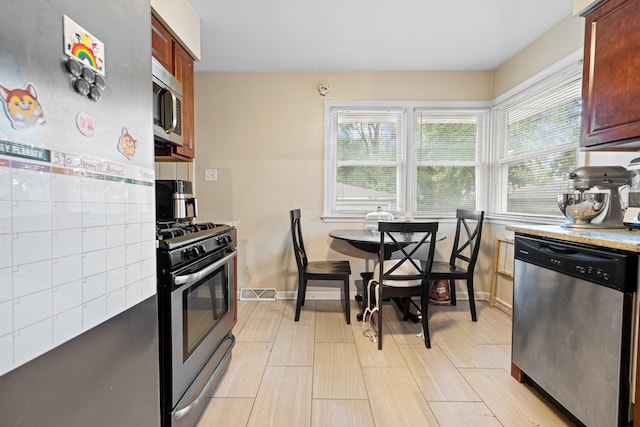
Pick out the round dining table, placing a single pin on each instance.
(369, 241)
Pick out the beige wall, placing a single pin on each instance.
(558, 42)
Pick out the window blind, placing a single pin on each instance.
(369, 156)
(538, 136)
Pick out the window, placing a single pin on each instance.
(537, 133)
(425, 159)
(367, 156)
(409, 159)
(448, 160)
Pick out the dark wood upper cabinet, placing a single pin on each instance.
(177, 60)
(611, 77)
(161, 44)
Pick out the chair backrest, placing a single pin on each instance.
(298, 243)
(466, 244)
(407, 270)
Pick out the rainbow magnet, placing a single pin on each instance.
(81, 45)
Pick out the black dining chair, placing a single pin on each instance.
(405, 277)
(317, 270)
(464, 255)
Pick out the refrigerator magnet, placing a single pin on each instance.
(86, 124)
(83, 46)
(21, 106)
(127, 144)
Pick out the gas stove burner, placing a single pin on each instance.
(169, 230)
(188, 243)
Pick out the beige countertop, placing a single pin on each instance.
(619, 238)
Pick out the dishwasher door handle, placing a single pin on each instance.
(547, 247)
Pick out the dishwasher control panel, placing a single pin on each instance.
(608, 267)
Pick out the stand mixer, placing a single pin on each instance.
(632, 214)
(602, 185)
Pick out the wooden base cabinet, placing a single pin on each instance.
(177, 60)
(611, 77)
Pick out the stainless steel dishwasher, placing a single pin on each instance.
(572, 324)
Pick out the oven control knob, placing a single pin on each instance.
(224, 239)
(200, 250)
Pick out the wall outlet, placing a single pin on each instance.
(211, 174)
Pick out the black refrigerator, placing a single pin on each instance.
(78, 308)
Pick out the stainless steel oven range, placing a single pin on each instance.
(195, 297)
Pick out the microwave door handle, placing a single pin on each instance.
(174, 111)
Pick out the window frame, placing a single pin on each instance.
(541, 84)
(489, 195)
(408, 166)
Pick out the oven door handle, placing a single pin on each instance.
(194, 277)
(203, 393)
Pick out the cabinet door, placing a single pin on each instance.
(161, 44)
(184, 73)
(611, 76)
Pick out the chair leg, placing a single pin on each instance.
(347, 302)
(302, 289)
(406, 304)
(424, 309)
(380, 304)
(472, 299)
(452, 291)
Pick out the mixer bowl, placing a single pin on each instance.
(582, 207)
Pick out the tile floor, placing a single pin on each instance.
(322, 372)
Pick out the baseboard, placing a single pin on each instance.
(334, 294)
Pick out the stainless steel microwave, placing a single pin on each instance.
(167, 106)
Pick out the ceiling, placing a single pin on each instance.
(369, 35)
